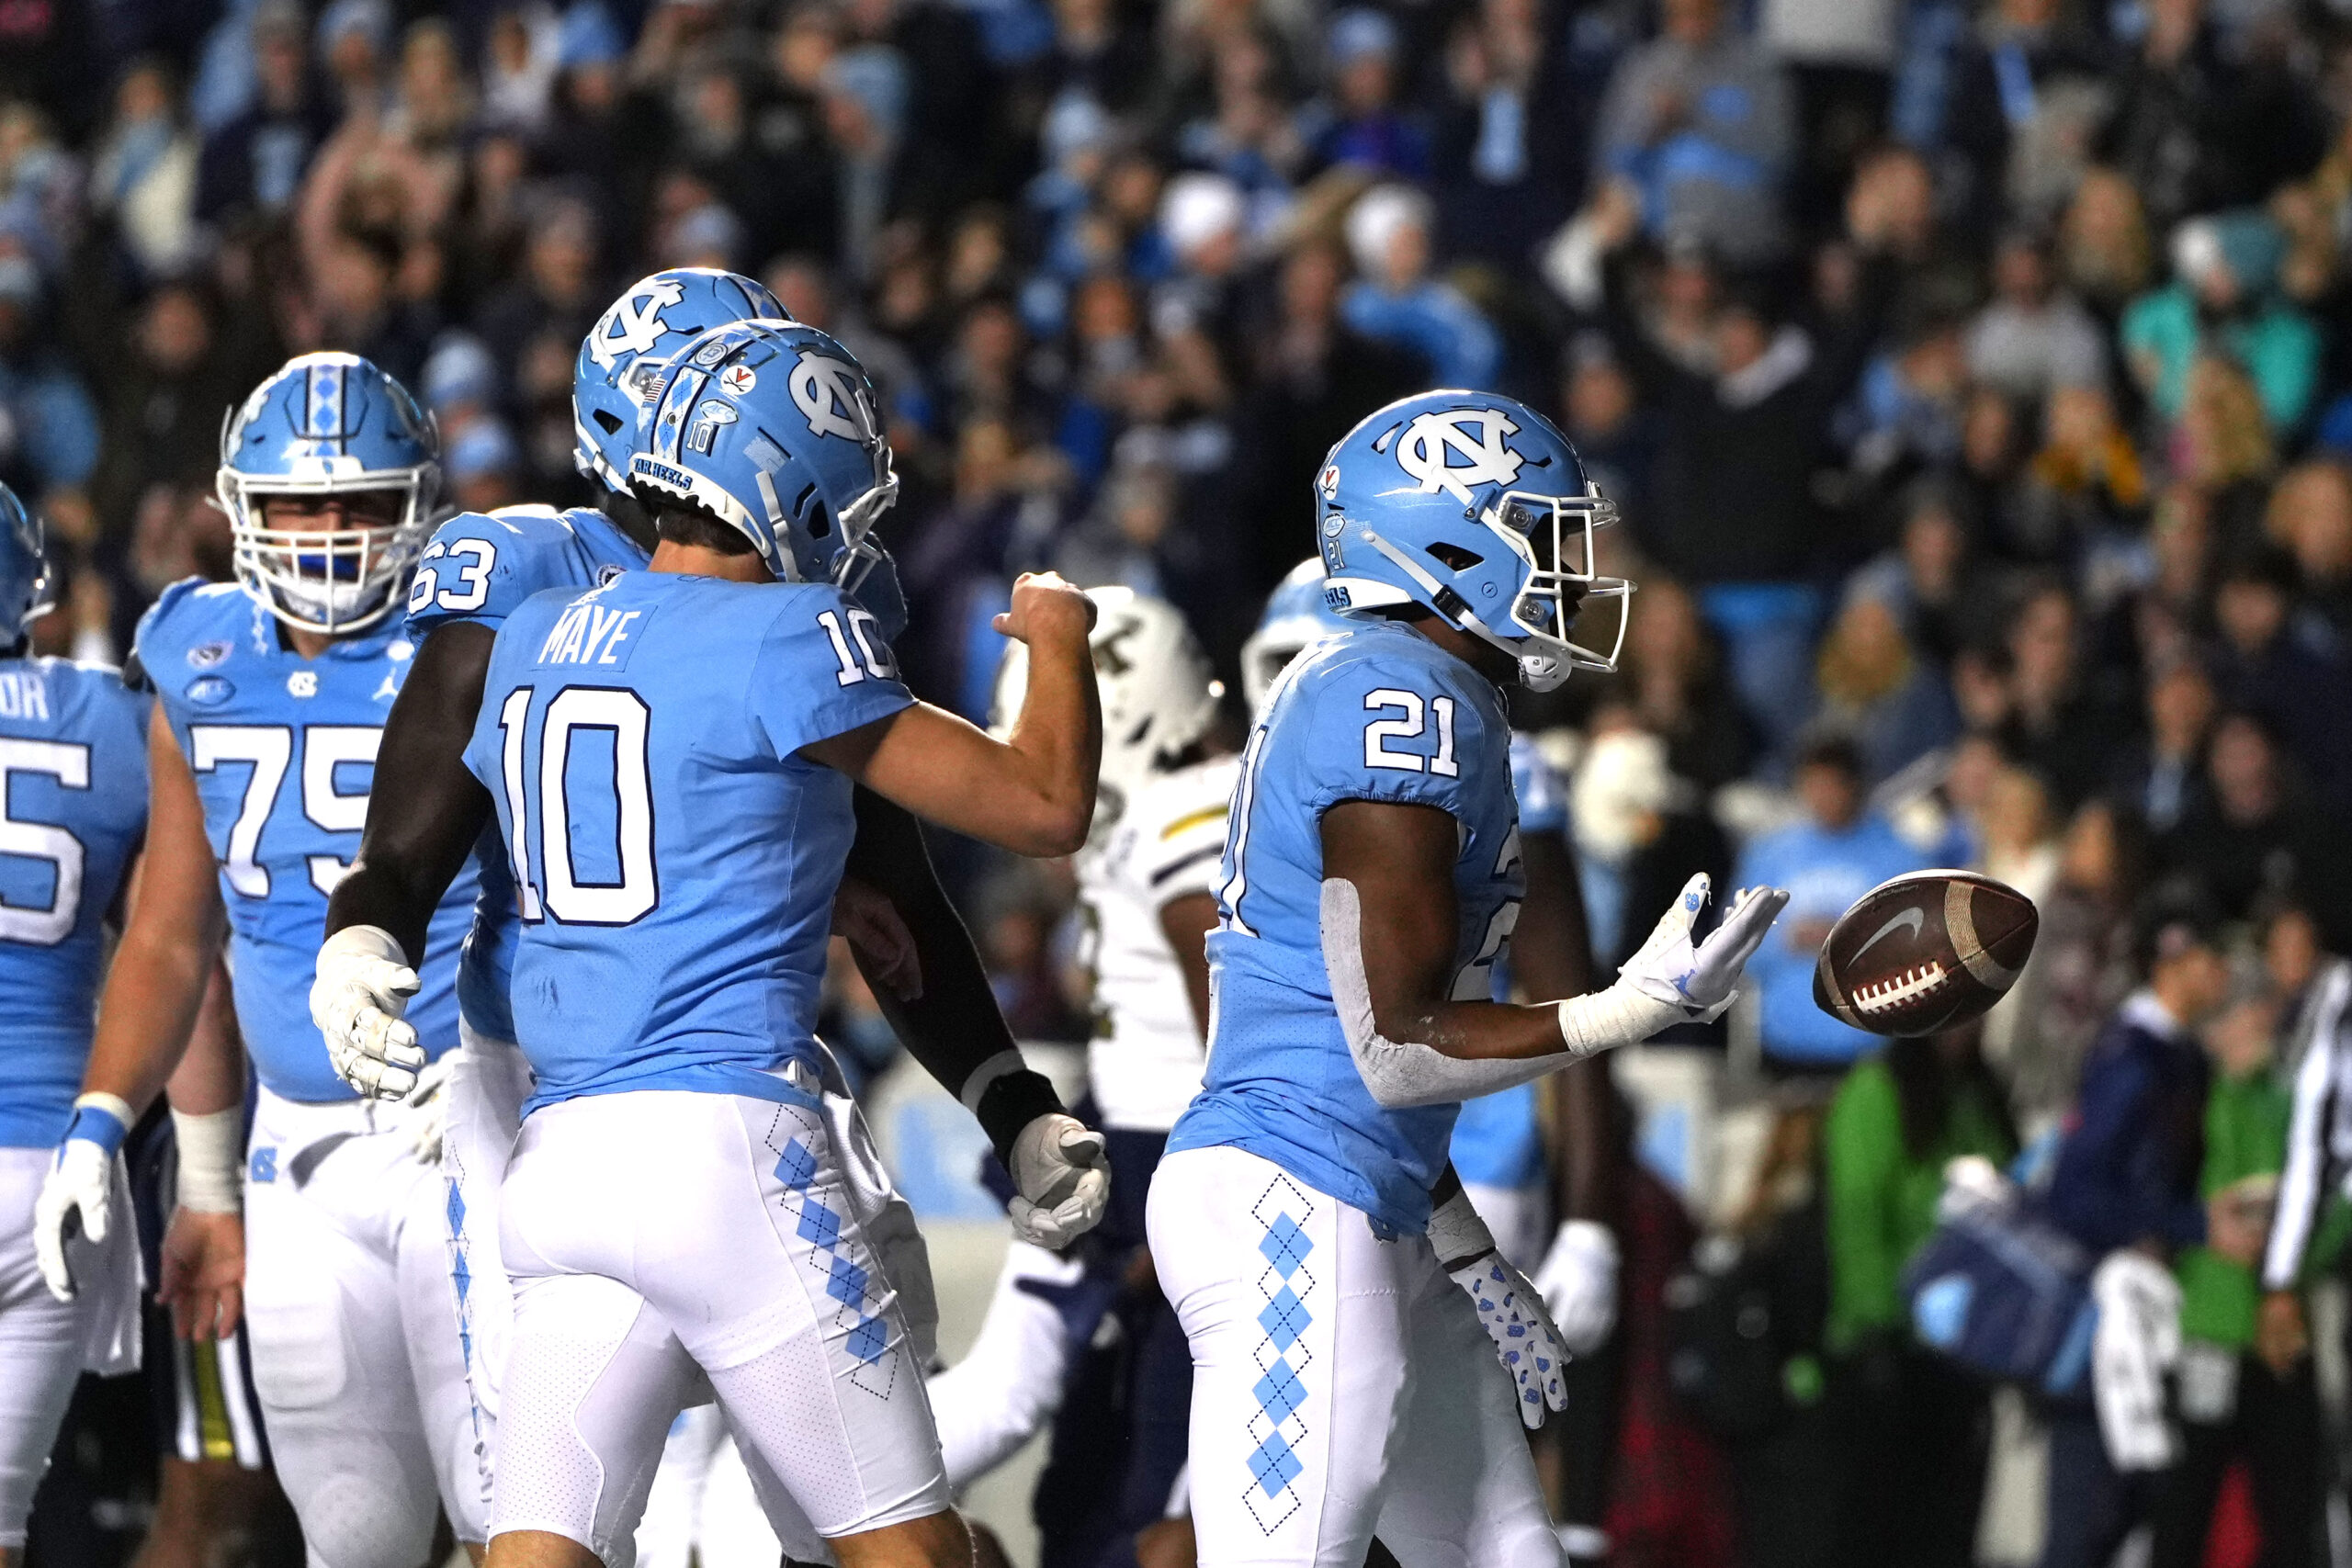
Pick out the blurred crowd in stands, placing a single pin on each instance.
(1974, 377)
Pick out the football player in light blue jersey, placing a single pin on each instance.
(1499, 1147)
(1305, 1222)
(271, 695)
(672, 757)
(72, 808)
(476, 572)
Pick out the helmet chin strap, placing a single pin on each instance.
(1464, 619)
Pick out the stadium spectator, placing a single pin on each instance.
(2127, 1176)
(1916, 1426)
(1700, 120)
(1839, 852)
(1396, 301)
(2240, 1399)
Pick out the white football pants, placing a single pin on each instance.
(42, 1340)
(354, 1344)
(1341, 1386)
(637, 1224)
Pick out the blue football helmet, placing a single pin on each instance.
(622, 357)
(1294, 615)
(1474, 506)
(24, 570)
(328, 424)
(771, 427)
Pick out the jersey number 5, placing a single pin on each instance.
(558, 889)
(69, 764)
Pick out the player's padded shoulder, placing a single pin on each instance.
(823, 667)
(482, 566)
(193, 625)
(97, 694)
(1384, 713)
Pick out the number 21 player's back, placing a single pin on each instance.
(676, 857)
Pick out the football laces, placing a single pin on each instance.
(1898, 989)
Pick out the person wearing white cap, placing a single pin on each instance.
(1394, 301)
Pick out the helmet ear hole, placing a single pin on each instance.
(1454, 558)
(610, 421)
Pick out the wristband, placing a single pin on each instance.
(1457, 1234)
(211, 1161)
(1006, 1095)
(100, 1119)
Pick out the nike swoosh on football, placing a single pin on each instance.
(1914, 916)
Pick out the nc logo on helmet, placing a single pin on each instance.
(1429, 444)
(634, 323)
(831, 395)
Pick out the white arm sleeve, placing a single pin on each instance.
(2307, 1141)
(1402, 1073)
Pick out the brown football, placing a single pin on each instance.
(1925, 951)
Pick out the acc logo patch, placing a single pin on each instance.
(209, 692)
(634, 323)
(830, 394)
(1433, 441)
(209, 655)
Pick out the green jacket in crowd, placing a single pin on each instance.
(1882, 1202)
(2245, 1134)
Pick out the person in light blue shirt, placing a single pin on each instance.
(1340, 1294)
(1826, 863)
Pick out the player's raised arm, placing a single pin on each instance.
(1388, 922)
(1033, 794)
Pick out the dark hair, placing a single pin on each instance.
(1926, 1088)
(693, 526)
(1834, 750)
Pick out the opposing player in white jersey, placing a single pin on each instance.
(270, 695)
(1145, 883)
(72, 808)
(676, 1184)
(1303, 1222)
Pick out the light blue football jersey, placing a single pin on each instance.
(1498, 1140)
(481, 566)
(283, 749)
(677, 857)
(73, 810)
(1380, 713)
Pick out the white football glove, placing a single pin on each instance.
(1578, 1279)
(1527, 1343)
(364, 985)
(1061, 1178)
(76, 1196)
(1702, 980)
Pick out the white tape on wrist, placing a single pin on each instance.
(1621, 1015)
(213, 1160)
(1456, 1232)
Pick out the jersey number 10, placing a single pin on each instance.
(558, 890)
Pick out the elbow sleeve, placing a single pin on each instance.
(1402, 1073)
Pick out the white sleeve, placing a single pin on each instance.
(2300, 1190)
